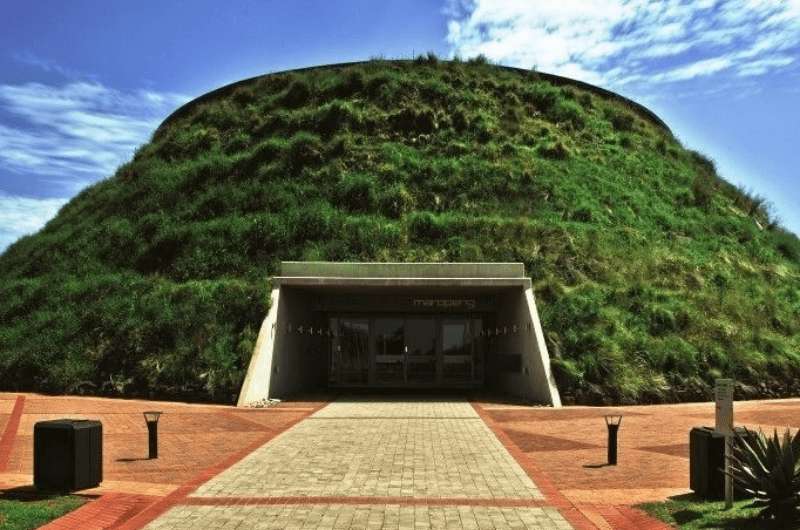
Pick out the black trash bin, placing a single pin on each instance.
(706, 462)
(67, 454)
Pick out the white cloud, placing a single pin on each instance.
(21, 216)
(81, 130)
(623, 42)
(700, 68)
(31, 59)
(761, 67)
(666, 49)
(66, 137)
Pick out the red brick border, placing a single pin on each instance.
(133, 512)
(625, 517)
(618, 517)
(108, 511)
(552, 495)
(10, 433)
(163, 504)
(641, 520)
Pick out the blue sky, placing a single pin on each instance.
(83, 83)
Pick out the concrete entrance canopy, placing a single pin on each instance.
(483, 330)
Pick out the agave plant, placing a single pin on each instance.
(768, 468)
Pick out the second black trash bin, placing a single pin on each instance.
(706, 461)
(67, 454)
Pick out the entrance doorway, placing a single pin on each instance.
(351, 362)
(406, 351)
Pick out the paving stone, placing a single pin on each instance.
(338, 516)
(434, 449)
(411, 408)
(191, 437)
(387, 463)
(570, 444)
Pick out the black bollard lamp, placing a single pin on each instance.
(151, 417)
(613, 422)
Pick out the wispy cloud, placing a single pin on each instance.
(620, 43)
(31, 59)
(20, 216)
(761, 67)
(78, 131)
(57, 138)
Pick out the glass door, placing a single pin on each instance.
(461, 352)
(414, 350)
(420, 351)
(350, 351)
(390, 359)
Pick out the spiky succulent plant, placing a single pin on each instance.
(768, 468)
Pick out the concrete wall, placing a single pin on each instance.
(256, 383)
(534, 380)
(285, 362)
(299, 360)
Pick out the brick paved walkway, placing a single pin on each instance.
(191, 438)
(332, 516)
(570, 444)
(368, 449)
(203, 446)
(374, 464)
(195, 442)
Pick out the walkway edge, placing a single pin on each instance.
(105, 512)
(552, 495)
(618, 517)
(10, 433)
(163, 504)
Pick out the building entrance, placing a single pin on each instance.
(406, 351)
(424, 326)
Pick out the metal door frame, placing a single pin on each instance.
(438, 319)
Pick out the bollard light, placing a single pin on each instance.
(151, 417)
(613, 422)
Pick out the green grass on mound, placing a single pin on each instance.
(653, 275)
(33, 513)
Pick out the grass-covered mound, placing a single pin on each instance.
(653, 275)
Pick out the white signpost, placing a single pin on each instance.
(723, 398)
